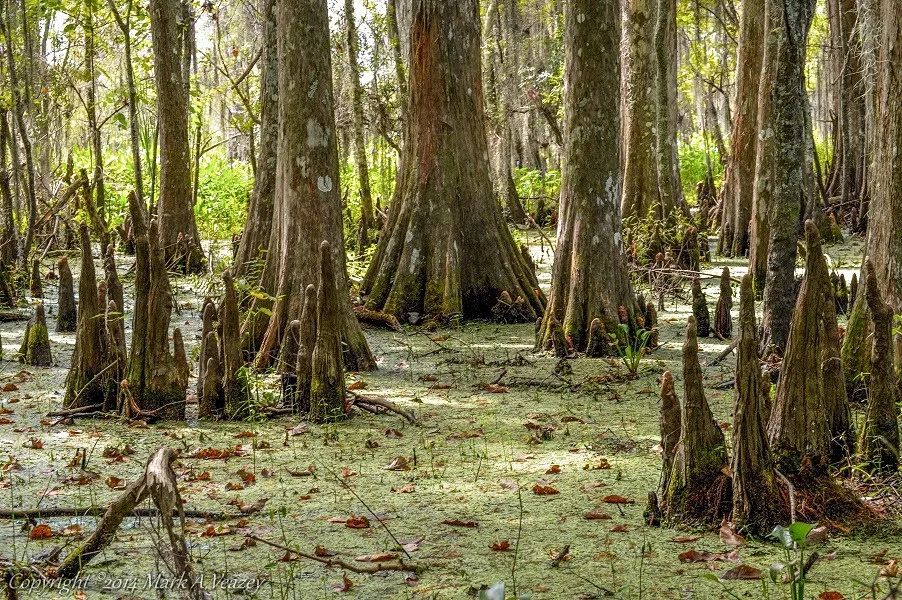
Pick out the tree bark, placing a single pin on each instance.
(179, 239)
(790, 146)
(639, 175)
(589, 277)
(307, 205)
(740, 175)
(445, 250)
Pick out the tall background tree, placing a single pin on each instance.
(445, 249)
(589, 279)
(179, 238)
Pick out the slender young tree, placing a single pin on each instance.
(740, 176)
(179, 238)
(589, 278)
(445, 249)
(307, 204)
(259, 226)
(363, 171)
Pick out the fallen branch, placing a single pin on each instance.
(360, 400)
(724, 353)
(397, 565)
(78, 410)
(98, 511)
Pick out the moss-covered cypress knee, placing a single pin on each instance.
(35, 350)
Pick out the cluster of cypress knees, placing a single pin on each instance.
(149, 380)
(785, 448)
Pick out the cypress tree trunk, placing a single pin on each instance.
(756, 500)
(763, 186)
(589, 277)
(885, 219)
(175, 206)
(740, 175)
(308, 206)
(155, 378)
(259, 227)
(790, 146)
(445, 249)
(670, 190)
(880, 437)
(640, 191)
(846, 184)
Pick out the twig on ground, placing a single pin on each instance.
(398, 565)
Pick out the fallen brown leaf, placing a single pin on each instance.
(742, 572)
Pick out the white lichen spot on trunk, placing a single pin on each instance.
(316, 134)
(324, 183)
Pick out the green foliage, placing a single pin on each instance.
(793, 540)
(222, 197)
(534, 186)
(631, 349)
(694, 158)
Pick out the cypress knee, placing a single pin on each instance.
(35, 350)
(234, 378)
(37, 290)
(288, 361)
(836, 400)
(694, 489)
(208, 324)
(880, 437)
(327, 383)
(84, 384)
(723, 320)
(757, 504)
(797, 431)
(670, 426)
(306, 343)
(700, 309)
(66, 311)
(209, 385)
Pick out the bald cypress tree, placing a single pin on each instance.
(589, 277)
(446, 250)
